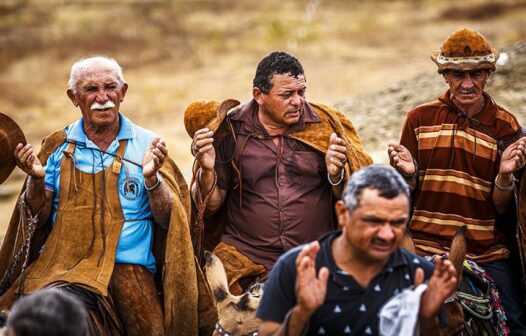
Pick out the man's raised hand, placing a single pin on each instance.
(28, 161)
(311, 289)
(401, 159)
(203, 148)
(441, 285)
(336, 156)
(154, 157)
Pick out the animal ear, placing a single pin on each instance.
(216, 276)
(457, 253)
(220, 294)
(407, 242)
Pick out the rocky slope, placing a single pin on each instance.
(379, 117)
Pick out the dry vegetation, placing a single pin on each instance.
(175, 52)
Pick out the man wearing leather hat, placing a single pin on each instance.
(460, 154)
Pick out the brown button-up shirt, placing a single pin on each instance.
(286, 199)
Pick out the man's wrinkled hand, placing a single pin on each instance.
(401, 159)
(513, 158)
(154, 157)
(336, 156)
(28, 161)
(441, 285)
(203, 148)
(310, 289)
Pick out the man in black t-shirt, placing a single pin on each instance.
(337, 285)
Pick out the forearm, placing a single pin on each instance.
(38, 199)
(338, 190)
(338, 183)
(294, 324)
(429, 326)
(503, 192)
(206, 179)
(160, 201)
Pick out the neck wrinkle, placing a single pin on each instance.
(352, 264)
(269, 128)
(102, 137)
(472, 110)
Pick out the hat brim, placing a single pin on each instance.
(465, 66)
(222, 111)
(10, 136)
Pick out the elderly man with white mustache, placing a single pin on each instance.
(96, 194)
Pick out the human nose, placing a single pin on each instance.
(386, 232)
(296, 100)
(467, 82)
(102, 96)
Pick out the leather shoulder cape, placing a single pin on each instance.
(172, 248)
(315, 135)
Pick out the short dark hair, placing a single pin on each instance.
(278, 62)
(386, 180)
(48, 312)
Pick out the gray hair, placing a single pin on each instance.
(48, 312)
(387, 181)
(97, 61)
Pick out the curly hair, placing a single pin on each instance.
(278, 62)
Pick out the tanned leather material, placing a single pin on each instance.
(176, 275)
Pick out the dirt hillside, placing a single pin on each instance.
(175, 52)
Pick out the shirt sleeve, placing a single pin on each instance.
(50, 169)
(278, 294)
(408, 138)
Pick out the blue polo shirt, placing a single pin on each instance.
(136, 237)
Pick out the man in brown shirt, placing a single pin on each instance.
(278, 189)
(461, 152)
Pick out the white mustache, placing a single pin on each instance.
(106, 105)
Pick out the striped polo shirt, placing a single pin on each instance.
(458, 159)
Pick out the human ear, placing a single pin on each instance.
(258, 95)
(72, 97)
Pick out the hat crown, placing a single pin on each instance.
(466, 43)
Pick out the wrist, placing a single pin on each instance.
(336, 179)
(505, 177)
(152, 182)
(505, 182)
(301, 313)
(37, 178)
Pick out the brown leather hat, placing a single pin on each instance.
(10, 136)
(465, 50)
(210, 114)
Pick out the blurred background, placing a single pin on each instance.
(371, 59)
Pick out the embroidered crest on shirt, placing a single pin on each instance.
(131, 191)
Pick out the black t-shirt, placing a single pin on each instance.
(349, 309)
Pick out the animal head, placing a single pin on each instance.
(236, 313)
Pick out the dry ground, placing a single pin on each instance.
(175, 52)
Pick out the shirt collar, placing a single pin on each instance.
(247, 114)
(77, 134)
(396, 259)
